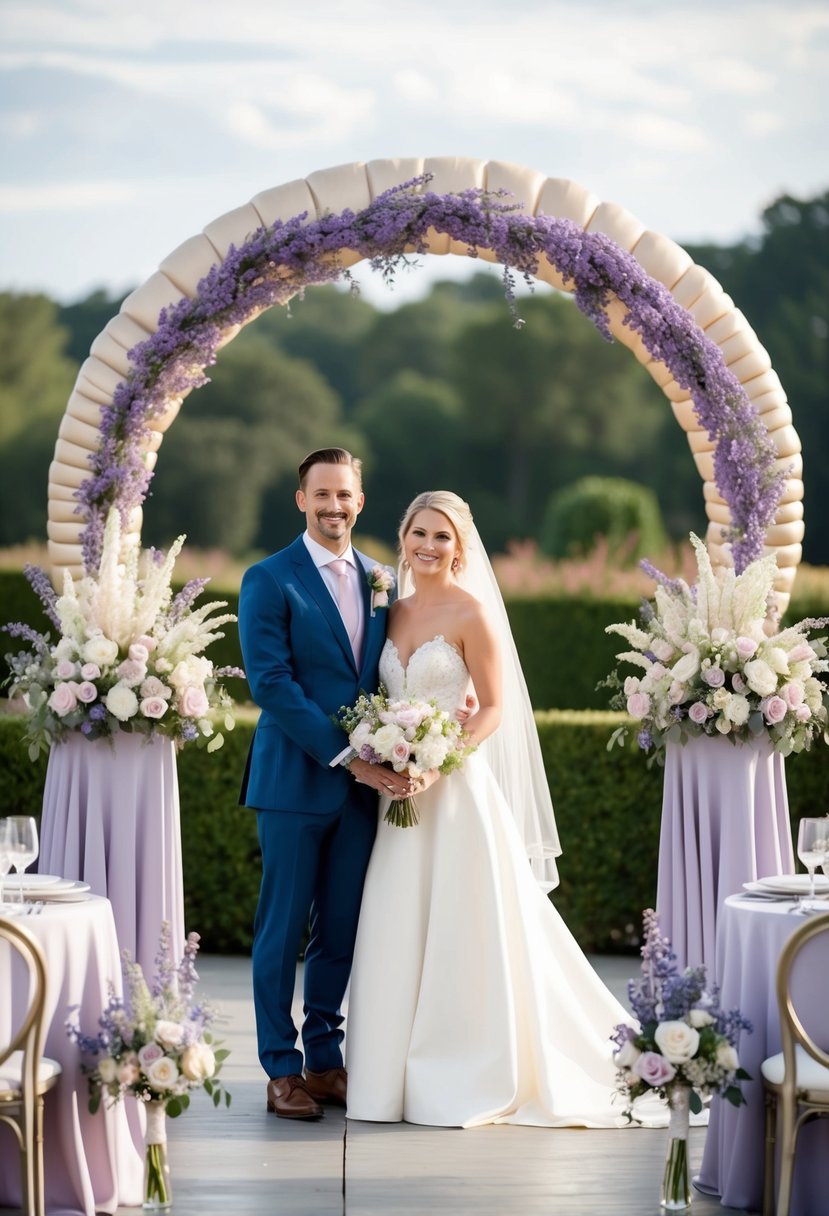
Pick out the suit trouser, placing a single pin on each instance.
(316, 864)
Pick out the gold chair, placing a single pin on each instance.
(796, 1080)
(25, 1075)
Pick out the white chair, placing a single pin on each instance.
(25, 1075)
(796, 1080)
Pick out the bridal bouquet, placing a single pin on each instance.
(410, 736)
(129, 655)
(707, 666)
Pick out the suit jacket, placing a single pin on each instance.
(301, 670)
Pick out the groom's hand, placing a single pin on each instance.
(384, 780)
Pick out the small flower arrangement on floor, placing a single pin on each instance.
(707, 666)
(684, 1039)
(410, 736)
(156, 1043)
(129, 655)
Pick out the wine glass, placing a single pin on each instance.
(22, 844)
(811, 847)
(5, 853)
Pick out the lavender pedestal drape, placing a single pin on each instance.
(750, 941)
(92, 1163)
(725, 821)
(111, 817)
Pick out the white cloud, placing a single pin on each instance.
(65, 196)
(414, 86)
(762, 122)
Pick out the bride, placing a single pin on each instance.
(470, 1000)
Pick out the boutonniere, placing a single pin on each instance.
(381, 581)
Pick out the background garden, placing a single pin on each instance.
(443, 393)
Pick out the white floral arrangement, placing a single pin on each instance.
(129, 656)
(409, 736)
(709, 667)
(156, 1043)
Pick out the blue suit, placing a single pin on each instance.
(316, 824)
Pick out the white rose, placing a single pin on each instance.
(65, 649)
(138, 653)
(677, 1041)
(193, 670)
(737, 710)
(777, 659)
(122, 702)
(631, 685)
(162, 1073)
(107, 1070)
(723, 725)
(169, 1034)
(686, 668)
(760, 677)
(700, 1018)
(727, 1057)
(198, 1062)
(430, 752)
(384, 739)
(100, 650)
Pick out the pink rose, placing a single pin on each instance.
(150, 1052)
(153, 707)
(192, 702)
(638, 705)
(86, 692)
(63, 700)
(148, 643)
(677, 693)
(803, 713)
(631, 685)
(400, 752)
(738, 683)
(138, 653)
(714, 677)
(801, 653)
(153, 687)
(90, 671)
(698, 712)
(409, 717)
(654, 1069)
(792, 694)
(380, 599)
(746, 647)
(775, 710)
(65, 670)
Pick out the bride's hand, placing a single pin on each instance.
(421, 783)
(468, 709)
(384, 780)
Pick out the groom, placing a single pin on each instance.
(310, 643)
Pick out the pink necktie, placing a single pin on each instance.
(348, 603)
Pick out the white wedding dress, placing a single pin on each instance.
(470, 1001)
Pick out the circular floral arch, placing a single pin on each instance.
(636, 285)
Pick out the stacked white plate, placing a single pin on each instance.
(787, 884)
(50, 887)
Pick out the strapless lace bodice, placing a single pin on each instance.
(435, 672)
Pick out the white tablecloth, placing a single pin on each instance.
(725, 821)
(92, 1162)
(751, 938)
(111, 817)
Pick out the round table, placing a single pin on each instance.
(92, 1163)
(750, 940)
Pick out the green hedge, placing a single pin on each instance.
(607, 808)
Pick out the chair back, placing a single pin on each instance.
(792, 1030)
(27, 1036)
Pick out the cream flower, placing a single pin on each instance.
(198, 1062)
(677, 1041)
(760, 677)
(169, 1034)
(162, 1073)
(100, 650)
(121, 702)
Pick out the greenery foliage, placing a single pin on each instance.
(608, 809)
(609, 507)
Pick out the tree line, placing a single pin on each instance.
(444, 392)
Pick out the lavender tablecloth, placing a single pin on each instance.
(91, 1162)
(725, 821)
(750, 941)
(111, 817)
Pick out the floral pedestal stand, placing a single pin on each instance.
(111, 817)
(725, 821)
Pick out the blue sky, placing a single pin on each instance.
(126, 127)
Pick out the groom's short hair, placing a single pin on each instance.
(330, 456)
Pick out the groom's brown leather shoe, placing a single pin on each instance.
(329, 1086)
(288, 1098)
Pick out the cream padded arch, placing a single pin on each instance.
(355, 186)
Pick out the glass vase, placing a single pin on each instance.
(676, 1183)
(158, 1193)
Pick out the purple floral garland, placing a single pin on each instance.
(277, 262)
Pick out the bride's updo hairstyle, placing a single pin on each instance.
(454, 508)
